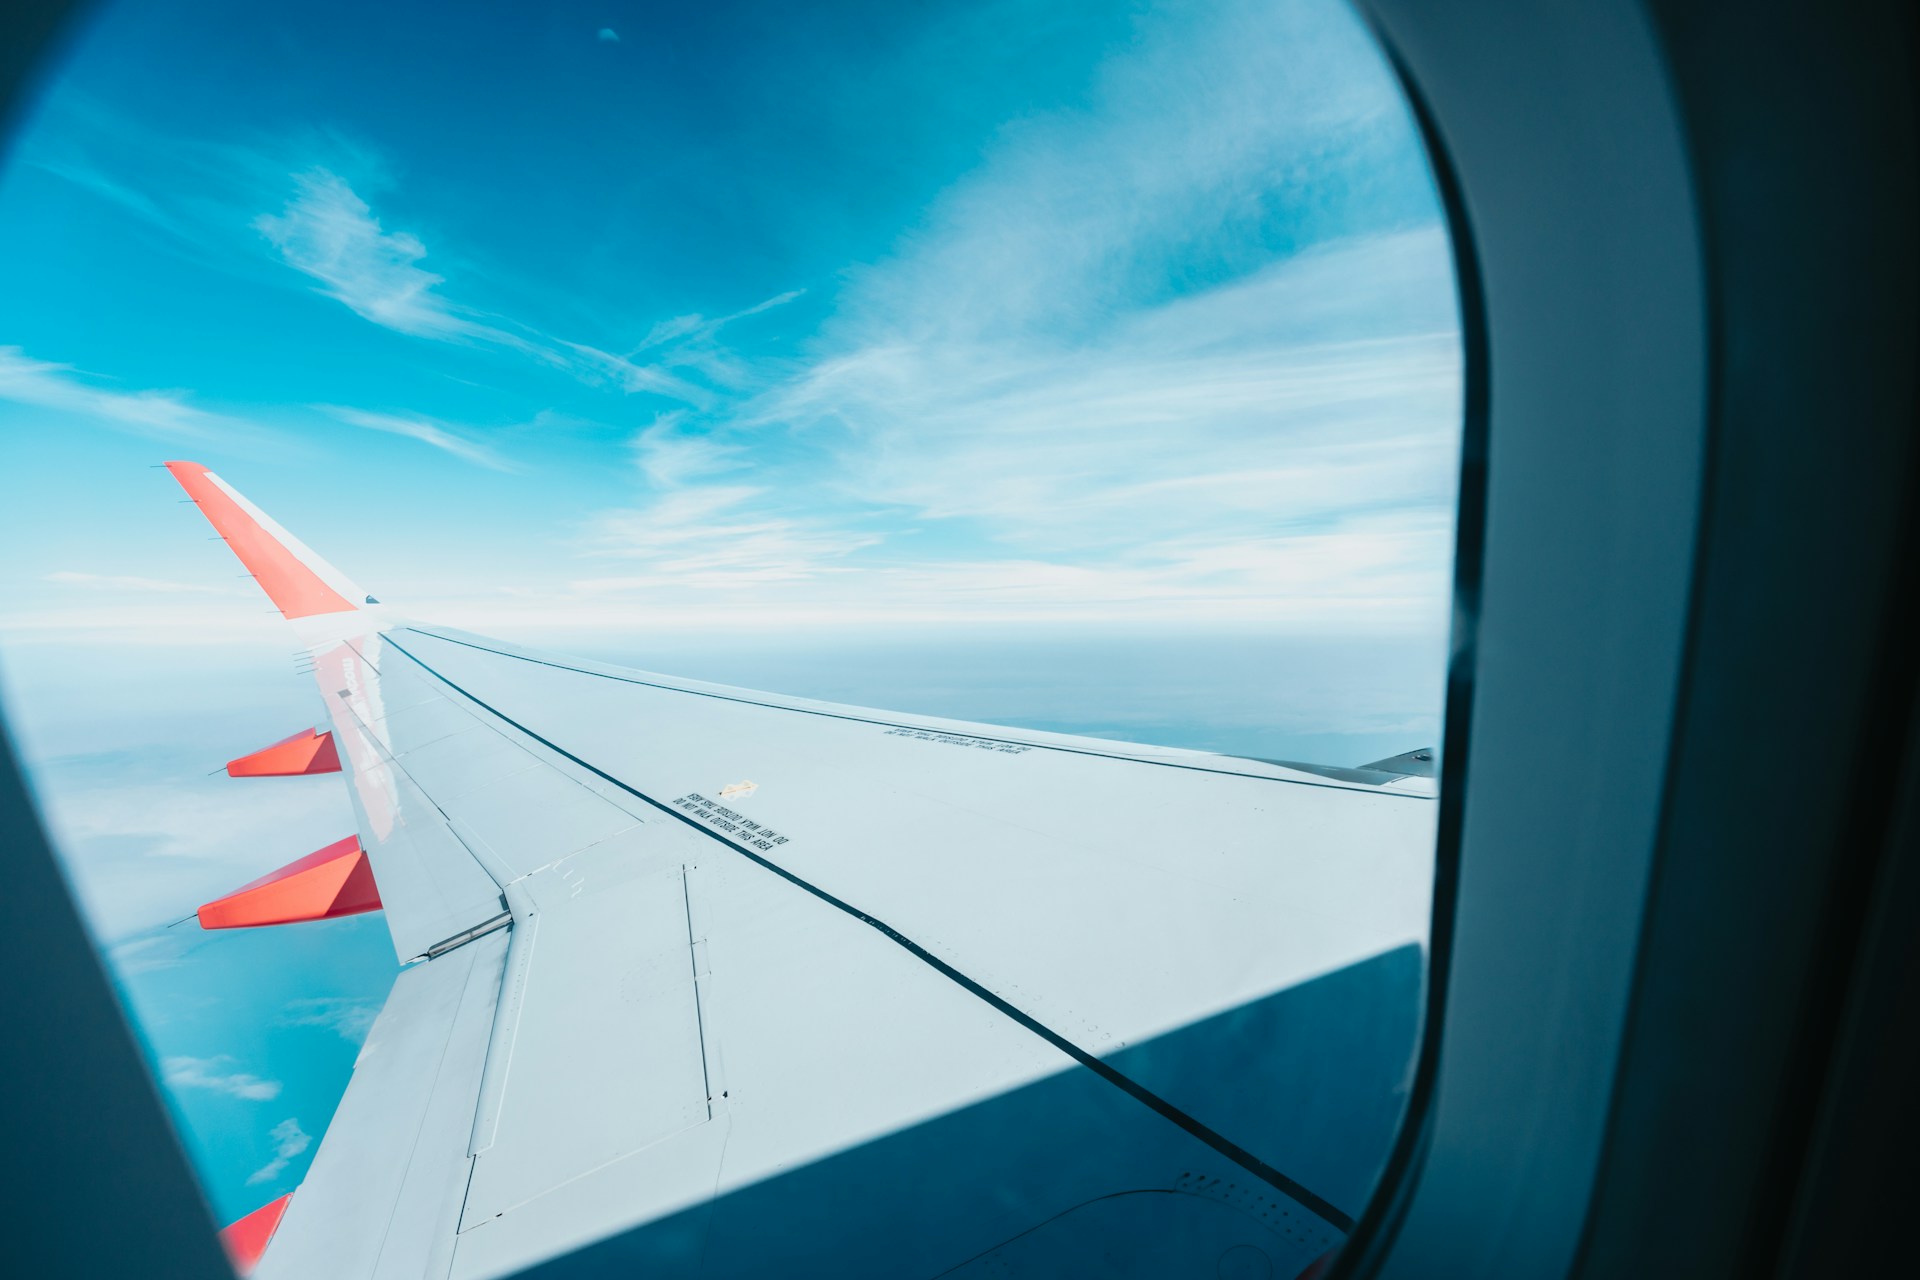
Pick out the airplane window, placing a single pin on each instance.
(900, 567)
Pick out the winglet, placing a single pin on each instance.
(284, 568)
(329, 882)
(246, 1240)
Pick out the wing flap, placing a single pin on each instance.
(605, 1000)
(383, 1196)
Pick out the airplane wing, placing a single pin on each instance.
(705, 981)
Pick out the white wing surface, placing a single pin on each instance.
(705, 981)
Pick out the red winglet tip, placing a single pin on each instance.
(308, 752)
(246, 1239)
(327, 883)
(292, 584)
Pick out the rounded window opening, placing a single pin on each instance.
(915, 541)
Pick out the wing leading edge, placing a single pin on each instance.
(716, 981)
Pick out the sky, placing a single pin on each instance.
(1091, 367)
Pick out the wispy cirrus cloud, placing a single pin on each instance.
(671, 456)
(289, 1142)
(327, 231)
(172, 415)
(1162, 315)
(134, 201)
(1097, 378)
(694, 343)
(1219, 410)
(63, 389)
(181, 1072)
(310, 204)
(1276, 449)
(718, 538)
(438, 435)
(590, 364)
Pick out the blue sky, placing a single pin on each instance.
(976, 313)
(1090, 366)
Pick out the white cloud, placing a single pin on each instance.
(689, 344)
(350, 1019)
(1015, 415)
(289, 1141)
(426, 431)
(321, 220)
(1191, 414)
(669, 455)
(590, 364)
(1192, 458)
(328, 232)
(1215, 137)
(777, 300)
(718, 537)
(209, 1073)
(166, 415)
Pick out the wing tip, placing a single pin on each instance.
(294, 584)
(246, 1240)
